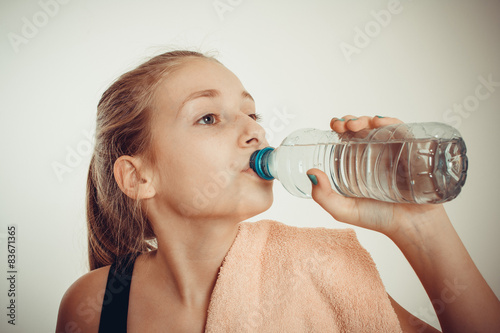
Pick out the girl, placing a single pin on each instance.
(168, 186)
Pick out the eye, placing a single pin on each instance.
(255, 116)
(208, 119)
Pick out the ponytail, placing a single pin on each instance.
(114, 229)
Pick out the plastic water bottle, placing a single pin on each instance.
(406, 163)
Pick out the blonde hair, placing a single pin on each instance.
(117, 225)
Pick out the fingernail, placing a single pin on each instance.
(341, 119)
(313, 179)
(352, 119)
(380, 117)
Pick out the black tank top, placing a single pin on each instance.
(116, 297)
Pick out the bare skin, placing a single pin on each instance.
(195, 215)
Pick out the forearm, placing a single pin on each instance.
(461, 297)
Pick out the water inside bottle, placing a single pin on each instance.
(413, 171)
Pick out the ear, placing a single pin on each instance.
(134, 180)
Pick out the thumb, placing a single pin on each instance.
(340, 207)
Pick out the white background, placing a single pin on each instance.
(415, 66)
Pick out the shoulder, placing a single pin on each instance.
(80, 307)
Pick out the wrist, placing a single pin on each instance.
(419, 224)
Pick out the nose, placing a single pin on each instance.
(252, 135)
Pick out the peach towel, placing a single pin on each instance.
(279, 278)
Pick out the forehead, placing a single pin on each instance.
(193, 75)
(198, 74)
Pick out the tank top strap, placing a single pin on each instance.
(116, 297)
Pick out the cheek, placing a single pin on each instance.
(212, 178)
(198, 170)
(188, 173)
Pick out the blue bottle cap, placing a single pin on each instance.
(258, 163)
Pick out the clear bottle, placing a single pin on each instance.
(406, 163)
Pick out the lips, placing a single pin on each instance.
(250, 171)
(247, 168)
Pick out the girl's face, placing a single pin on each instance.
(204, 131)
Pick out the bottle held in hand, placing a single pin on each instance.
(404, 163)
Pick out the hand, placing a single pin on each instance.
(427, 239)
(384, 217)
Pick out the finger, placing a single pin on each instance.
(357, 124)
(339, 125)
(334, 119)
(337, 205)
(379, 121)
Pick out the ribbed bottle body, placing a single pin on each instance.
(406, 163)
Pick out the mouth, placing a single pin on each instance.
(248, 166)
(249, 171)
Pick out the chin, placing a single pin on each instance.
(256, 205)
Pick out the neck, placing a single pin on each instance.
(190, 254)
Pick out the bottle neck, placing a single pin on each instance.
(259, 162)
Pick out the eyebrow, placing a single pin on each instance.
(211, 93)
